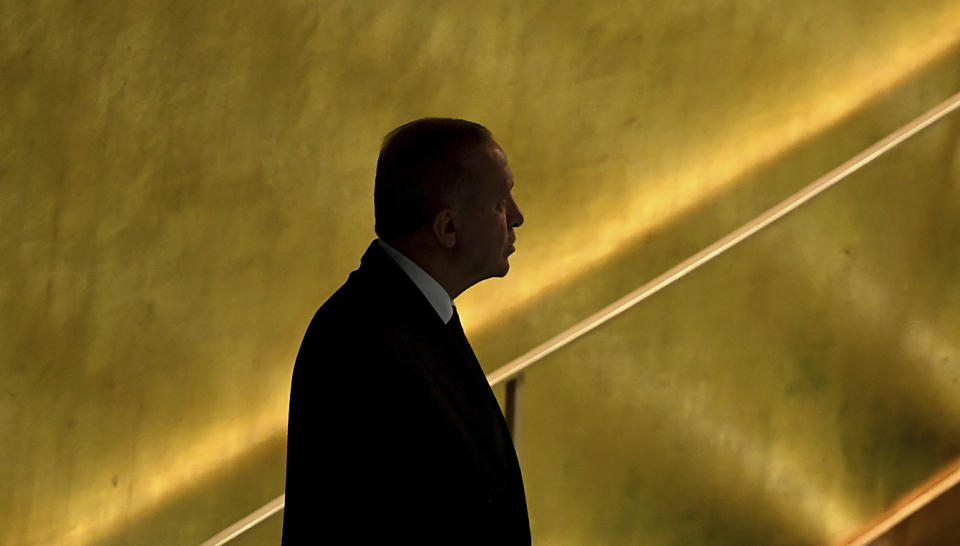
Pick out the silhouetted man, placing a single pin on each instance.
(395, 436)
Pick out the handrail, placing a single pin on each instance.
(510, 371)
(517, 365)
(914, 501)
(248, 521)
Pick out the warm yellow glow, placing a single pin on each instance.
(821, 507)
(711, 170)
(210, 449)
(712, 167)
(780, 470)
(929, 353)
(924, 347)
(813, 499)
(684, 268)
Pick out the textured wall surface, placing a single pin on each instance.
(785, 393)
(183, 183)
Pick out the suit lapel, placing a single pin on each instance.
(427, 338)
(453, 369)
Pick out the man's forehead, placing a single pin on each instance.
(490, 175)
(482, 152)
(502, 157)
(501, 162)
(498, 152)
(486, 156)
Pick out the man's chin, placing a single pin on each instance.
(499, 272)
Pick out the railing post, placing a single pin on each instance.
(512, 406)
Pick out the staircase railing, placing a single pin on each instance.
(512, 372)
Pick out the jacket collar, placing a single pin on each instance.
(391, 286)
(428, 286)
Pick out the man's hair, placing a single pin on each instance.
(419, 171)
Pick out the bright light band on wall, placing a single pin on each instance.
(515, 367)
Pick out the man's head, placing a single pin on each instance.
(443, 197)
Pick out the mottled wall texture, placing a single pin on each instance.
(183, 183)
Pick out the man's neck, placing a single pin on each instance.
(432, 261)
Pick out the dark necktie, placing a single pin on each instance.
(497, 428)
(478, 380)
(456, 330)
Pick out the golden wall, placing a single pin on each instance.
(183, 183)
(785, 393)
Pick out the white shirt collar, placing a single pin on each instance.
(431, 289)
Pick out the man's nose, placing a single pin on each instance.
(516, 219)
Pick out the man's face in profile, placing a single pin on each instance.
(489, 214)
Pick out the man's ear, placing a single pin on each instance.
(443, 227)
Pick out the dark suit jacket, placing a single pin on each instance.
(394, 435)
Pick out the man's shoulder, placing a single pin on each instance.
(362, 304)
(349, 295)
(378, 296)
(376, 309)
(347, 308)
(376, 336)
